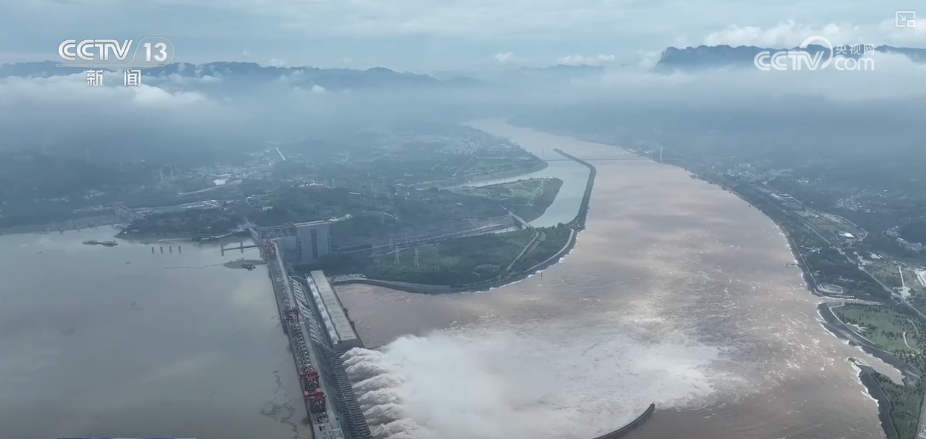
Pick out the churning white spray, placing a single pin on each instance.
(551, 380)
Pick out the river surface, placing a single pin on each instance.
(123, 342)
(677, 293)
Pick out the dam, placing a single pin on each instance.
(319, 332)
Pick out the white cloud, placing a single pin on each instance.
(146, 95)
(580, 60)
(893, 77)
(245, 52)
(791, 33)
(915, 36)
(318, 89)
(276, 62)
(74, 89)
(505, 58)
(648, 59)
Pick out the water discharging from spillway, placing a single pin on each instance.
(497, 384)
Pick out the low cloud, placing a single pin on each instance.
(581, 60)
(507, 58)
(891, 77)
(791, 34)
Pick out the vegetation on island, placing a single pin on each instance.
(550, 241)
(527, 198)
(894, 330)
(192, 223)
(455, 262)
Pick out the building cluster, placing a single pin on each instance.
(302, 243)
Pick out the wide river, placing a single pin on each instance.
(677, 293)
(123, 342)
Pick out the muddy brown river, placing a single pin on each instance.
(677, 293)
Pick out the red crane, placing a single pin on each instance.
(316, 401)
(270, 250)
(309, 380)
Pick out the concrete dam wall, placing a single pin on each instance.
(621, 432)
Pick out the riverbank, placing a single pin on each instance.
(61, 226)
(866, 375)
(576, 225)
(153, 238)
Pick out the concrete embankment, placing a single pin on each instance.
(579, 221)
(866, 376)
(577, 224)
(621, 432)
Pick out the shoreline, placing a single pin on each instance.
(52, 227)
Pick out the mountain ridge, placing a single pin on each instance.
(328, 78)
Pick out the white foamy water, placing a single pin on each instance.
(677, 293)
(529, 381)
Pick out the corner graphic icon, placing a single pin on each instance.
(905, 19)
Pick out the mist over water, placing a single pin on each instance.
(677, 293)
(530, 381)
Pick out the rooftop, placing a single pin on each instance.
(284, 226)
(335, 310)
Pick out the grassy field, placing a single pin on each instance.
(882, 326)
(885, 272)
(905, 402)
(528, 199)
(486, 168)
(453, 262)
(554, 238)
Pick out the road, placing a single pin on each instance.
(283, 290)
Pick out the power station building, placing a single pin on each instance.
(337, 324)
(300, 242)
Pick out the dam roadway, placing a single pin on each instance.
(286, 301)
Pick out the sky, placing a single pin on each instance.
(438, 35)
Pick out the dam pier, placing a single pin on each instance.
(319, 333)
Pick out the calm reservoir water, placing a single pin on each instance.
(120, 342)
(678, 293)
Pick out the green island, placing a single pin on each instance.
(525, 198)
(403, 203)
(388, 193)
(367, 238)
(893, 330)
(458, 262)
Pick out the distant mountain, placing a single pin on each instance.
(251, 73)
(710, 57)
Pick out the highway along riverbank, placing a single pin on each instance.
(125, 341)
(677, 292)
